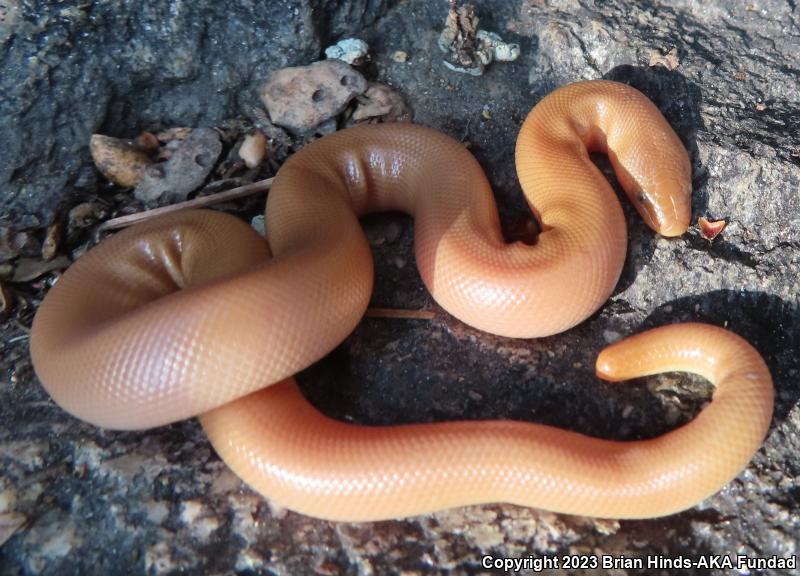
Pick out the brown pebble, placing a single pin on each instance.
(51, 241)
(120, 161)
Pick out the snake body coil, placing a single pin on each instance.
(187, 315)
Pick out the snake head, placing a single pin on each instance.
(667, 208)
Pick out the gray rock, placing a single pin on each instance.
(72, 69)
(303, 97)
(160, 501)
(186, 170)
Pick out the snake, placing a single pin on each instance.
(194, 314)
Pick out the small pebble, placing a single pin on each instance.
(257, 224)
(121, 161)
(26, 244)
(253, 149)
(400, 56)
(190, 511)
(327, 127)
(51, 241)
(501, 51)
(350, 50)
(392, 232)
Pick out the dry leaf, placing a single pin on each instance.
(710, 229)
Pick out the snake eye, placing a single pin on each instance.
(641, 196)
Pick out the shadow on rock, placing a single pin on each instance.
(768, 322)
(446, 373)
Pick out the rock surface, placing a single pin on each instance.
(160, 502)
(74, 68)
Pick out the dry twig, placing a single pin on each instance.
(232, 194)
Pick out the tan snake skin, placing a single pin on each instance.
(187, 315)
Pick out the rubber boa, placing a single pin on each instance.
(188, 315)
